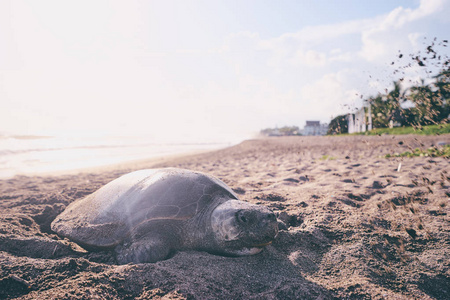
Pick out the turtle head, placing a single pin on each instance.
(241, 228)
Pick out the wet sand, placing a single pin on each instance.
(359, 226)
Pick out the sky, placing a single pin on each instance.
(200, 69)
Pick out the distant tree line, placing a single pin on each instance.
(416, 106)
(283, 131)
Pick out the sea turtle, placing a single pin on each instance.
(146, 215)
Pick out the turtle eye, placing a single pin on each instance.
(246, 217)
(241, 217)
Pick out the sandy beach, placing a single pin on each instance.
(359, 226)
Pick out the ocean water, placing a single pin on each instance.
(30, 155)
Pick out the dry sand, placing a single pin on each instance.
(359, 227)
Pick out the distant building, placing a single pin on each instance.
(360, 121)
(315, 128)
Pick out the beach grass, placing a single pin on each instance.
(423, 130)
(327, 157)
(443, 151)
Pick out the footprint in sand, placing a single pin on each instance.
(377, 185)
(304, 178)
(291, 220)
(291, 180)
(239, 191)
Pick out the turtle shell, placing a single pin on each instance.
(106, 217)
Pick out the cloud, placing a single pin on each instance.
(330, 95)
(309, 57)
(393, 31)
(337, 55)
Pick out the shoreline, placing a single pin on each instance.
(358, 226)
(125, 165)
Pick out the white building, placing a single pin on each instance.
(315, 128)
(358, 122)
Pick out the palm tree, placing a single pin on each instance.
(387, 108)
(442, 84)
(429, 105)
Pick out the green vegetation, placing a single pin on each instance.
(327, 157)
(338, 125)
(422, 130)
(443, 151)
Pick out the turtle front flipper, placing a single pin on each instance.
(145, 250)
